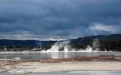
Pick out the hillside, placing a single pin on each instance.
(110, 42)
(23, 44)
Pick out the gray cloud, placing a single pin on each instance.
(58, 18)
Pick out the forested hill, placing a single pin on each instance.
(113, 37)
(111, 42)
(24, 43)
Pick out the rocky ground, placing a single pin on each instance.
(96, 63)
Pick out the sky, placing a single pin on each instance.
(58, 19)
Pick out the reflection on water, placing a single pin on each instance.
(65, 55)
(53, 55)
(73, 73)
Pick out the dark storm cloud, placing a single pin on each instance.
(58, 18)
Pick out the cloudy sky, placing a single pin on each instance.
(58, 19)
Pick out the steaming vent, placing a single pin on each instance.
(66, 47)
(60, 46)
(96, 44)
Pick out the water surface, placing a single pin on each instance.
(53, 55)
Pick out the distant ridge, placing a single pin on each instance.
(115, 37)
(109, 42)
(24, 43)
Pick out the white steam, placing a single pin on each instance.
(66, 47)
(60, 46)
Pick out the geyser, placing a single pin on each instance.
(65, 46)
(95, 44)
(60, 46)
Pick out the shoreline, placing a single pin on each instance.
(79, 59)
(96, 63)
(37, 67)
(26, 52)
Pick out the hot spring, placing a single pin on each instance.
(58, 50)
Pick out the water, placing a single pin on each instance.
(53, 55)
(73, 73)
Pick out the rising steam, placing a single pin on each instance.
(66, 47)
